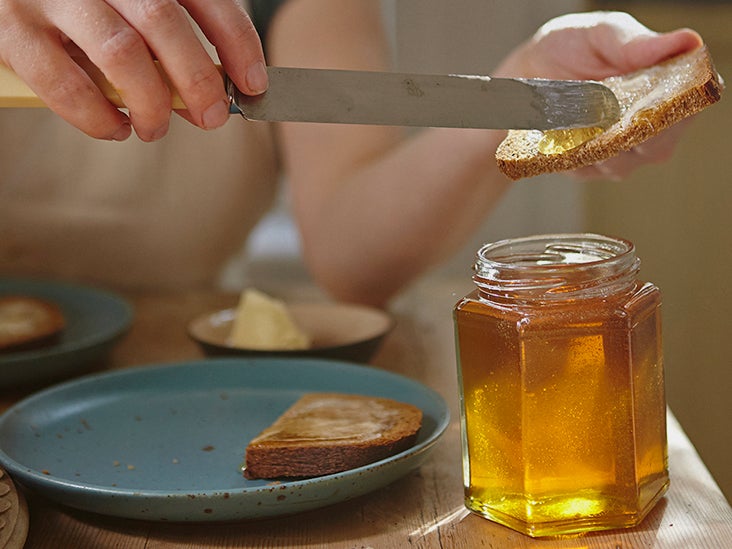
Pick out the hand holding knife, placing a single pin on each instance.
(397, 99)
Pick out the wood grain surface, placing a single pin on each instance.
(423, 509)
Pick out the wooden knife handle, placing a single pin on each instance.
(16, 93)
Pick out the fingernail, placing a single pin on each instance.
(159, 133)
(257, 79)
(123, 132)
(216, 115)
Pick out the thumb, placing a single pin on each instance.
(647, 50)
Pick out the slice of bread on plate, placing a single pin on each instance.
(324, 433)
(651, 100)
(27, 322)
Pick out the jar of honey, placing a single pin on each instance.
(562, 391)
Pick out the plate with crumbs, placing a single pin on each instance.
(166, 442)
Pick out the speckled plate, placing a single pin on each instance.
(95, 320)
(166, 442)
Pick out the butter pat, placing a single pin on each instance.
(264, 323)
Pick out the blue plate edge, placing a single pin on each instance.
(413, 456)
(123, 325)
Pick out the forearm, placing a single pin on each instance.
(380, 226)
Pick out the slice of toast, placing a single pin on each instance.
(651, 100)
(324, 433)
(27, 322)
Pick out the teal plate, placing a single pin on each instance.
(166, 442)
(95, 320)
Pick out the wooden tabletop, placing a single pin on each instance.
(423, 509)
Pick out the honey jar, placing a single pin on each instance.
(563, 412)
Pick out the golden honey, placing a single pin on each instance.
(559, 141)
(562, 391)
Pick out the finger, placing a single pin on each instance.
(616, 168)
(586, 173)
(122, 55)
(229, 28)
(623, 165)
(660, 148)
(170, 36)
(648, 50)
(656, 150)
(67, 90)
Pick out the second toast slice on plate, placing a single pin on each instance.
(324, 433)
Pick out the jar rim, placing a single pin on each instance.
(554, 251)
(556, 264)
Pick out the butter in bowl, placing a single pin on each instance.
(264, 326)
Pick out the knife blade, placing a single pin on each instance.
(394, 99)
(397, 99)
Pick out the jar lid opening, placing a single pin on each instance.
(553, 250)
(556, 263)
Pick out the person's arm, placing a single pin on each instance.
(377, 209)
(39, 39)
(374, 209)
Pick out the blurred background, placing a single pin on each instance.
(677, 213)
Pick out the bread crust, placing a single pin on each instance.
(325, 433)
(28, 322)
(694, 84)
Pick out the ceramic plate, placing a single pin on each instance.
(166, 442)
(95, 320)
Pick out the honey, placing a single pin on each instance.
(559, 141)
(562, 391)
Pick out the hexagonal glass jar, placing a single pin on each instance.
(562, 389)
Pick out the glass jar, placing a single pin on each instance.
(562, 393)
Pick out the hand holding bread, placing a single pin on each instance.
(616, 49)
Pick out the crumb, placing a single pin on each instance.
(130, 467)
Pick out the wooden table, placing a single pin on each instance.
(424, 509)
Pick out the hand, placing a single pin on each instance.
(39, 39)
(593, 46)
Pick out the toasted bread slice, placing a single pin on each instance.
(651, 100)
(324, 433)
(27, 322)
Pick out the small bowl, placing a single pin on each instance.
(337, 330)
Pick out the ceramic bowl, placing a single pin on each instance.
(338, 330)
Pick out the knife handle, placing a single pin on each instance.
(16, 93)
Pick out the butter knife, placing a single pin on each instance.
(398, 99)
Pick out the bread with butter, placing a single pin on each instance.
(27, 322)
(324, 433)
(651, 100)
